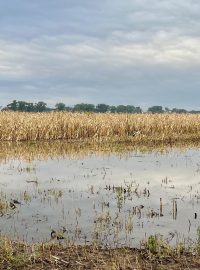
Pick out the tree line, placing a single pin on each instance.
(23, 106)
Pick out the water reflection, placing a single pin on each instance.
(51, 149)
(112, 198)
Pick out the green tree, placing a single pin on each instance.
(130, 109)
(175, 110)
(112, 109)
(30, 107)
(138, 110)
(121, 109)
(12, 106)
(68, 109)
(41, 106)
(60, 106)
(84, 107)
(22, 105)
(156, 109)
(102, 108)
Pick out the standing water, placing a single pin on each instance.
(112, 199)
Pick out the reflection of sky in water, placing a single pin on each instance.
(33, 219)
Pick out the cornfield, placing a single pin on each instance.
(169, 128)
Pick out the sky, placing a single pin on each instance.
(138, 52)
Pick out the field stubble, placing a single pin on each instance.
(18, 255)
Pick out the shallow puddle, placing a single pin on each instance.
(113, 199)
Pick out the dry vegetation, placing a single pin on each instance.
(18, 255)
(152, 128)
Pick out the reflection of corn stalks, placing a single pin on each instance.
(103, 218)
(28, 169)
(43, 150)
(174, 209)
(78, 232)
(119, 197)
(152, 214)
(102, 223)
(49, 194)
(55, 193)
(129, 224)
(78, 212)
(137, 210)
(161, 207)
(117, 223)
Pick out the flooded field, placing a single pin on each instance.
(113, 199)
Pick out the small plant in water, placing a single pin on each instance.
(4, 206)
(152, 244)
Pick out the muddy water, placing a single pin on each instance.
(110, 199)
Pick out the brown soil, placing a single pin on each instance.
(89, 257)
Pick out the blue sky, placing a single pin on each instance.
(140, 52)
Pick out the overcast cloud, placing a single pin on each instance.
(140, 52)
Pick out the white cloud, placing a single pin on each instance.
(45, 58)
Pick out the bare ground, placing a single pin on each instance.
(90, 257)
